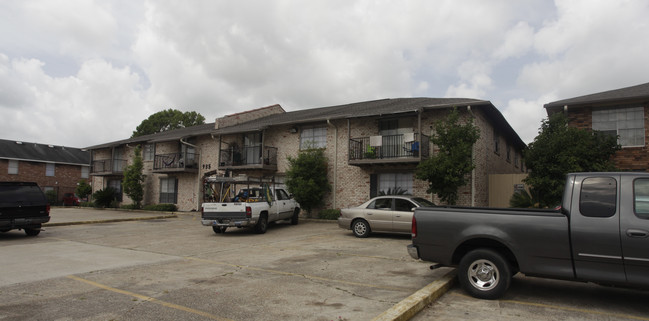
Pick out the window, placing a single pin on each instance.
(169, 190)
(403, 205)
(598, 197)
(641, 198)
(381, 204)
(13, 167)
(117, 186)
(508, 151)
(625, 122)
(313, 137)
(281, 195)
(85, 170)
(391, 183)
(49, 169)
(148, 152)
(496, 142)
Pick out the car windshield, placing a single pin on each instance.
(422, 202)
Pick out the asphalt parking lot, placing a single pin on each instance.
(151, 266)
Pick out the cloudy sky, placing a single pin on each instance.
(84, 72)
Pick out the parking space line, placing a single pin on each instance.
(149, 299)
(312, 277)
(374, 257)
(557, 307)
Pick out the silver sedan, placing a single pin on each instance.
(390, 214)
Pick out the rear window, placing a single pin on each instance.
(598, 197)
(21, 193)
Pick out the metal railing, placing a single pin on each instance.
(392, 146)
(245, 156)
(108, 166)
(175, 161)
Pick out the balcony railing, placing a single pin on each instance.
(389, 148)
(108, 166)
(249, 157)
(175, 162)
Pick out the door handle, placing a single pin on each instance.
(637, 233)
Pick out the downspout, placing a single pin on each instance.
(198, 176)
(335, 158)
(468, 108)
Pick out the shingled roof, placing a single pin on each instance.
(633, 93)
(16, 150)
(354, 110)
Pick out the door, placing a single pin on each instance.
(252, 148)
(634, 227)
(403, 211)
(379, 214)
(595, 229)
(285, 204)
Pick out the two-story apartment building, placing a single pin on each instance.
(371, 147)
(55, 168)
(621, 112)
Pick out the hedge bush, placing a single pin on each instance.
(161, 207)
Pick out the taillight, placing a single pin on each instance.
(414, 227)
(248, 211)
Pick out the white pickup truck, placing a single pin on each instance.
(243, 202)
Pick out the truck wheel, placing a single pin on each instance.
(218, 229)
(361, 228)
(295, 217)
(32, 231)
(262, 224)
(484, 274)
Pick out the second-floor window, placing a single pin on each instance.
(313, 137)
(13, 167)
(85, 170)
(49, 169)
(148, 151)
(625, 122)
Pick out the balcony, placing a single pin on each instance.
(388, 149)
(254, 157)
(108, 167)
(175, 163)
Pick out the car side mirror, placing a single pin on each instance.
(413, 209)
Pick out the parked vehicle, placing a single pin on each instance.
(389, 214)
(242, 202)
(23, 206)
(600, 235)
(70, 199)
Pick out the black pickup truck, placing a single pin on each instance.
(600, 234)
(23, 206)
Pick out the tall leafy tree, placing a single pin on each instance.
(167, 120)
(83, 189)
(447, 170)
(306, 178)
(133, 179)
(559, 150)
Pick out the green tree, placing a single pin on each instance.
(83, 189)
(167, 120)
(133, 179)
(306, 178)
(447, 170)
(104, 197)
(559, 150)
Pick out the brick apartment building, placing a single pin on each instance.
(370, 146)
(621, 112)
(56, 168)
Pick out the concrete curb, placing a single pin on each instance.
(410, 306)
(110, 220)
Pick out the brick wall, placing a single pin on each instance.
(65, 177)
(628, 158)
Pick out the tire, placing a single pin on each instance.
(219, 229)
(361, 228)
(262, 224)
(484, 274)
(32, 231)
(296, 217)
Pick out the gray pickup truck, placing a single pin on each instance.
(600, 234)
